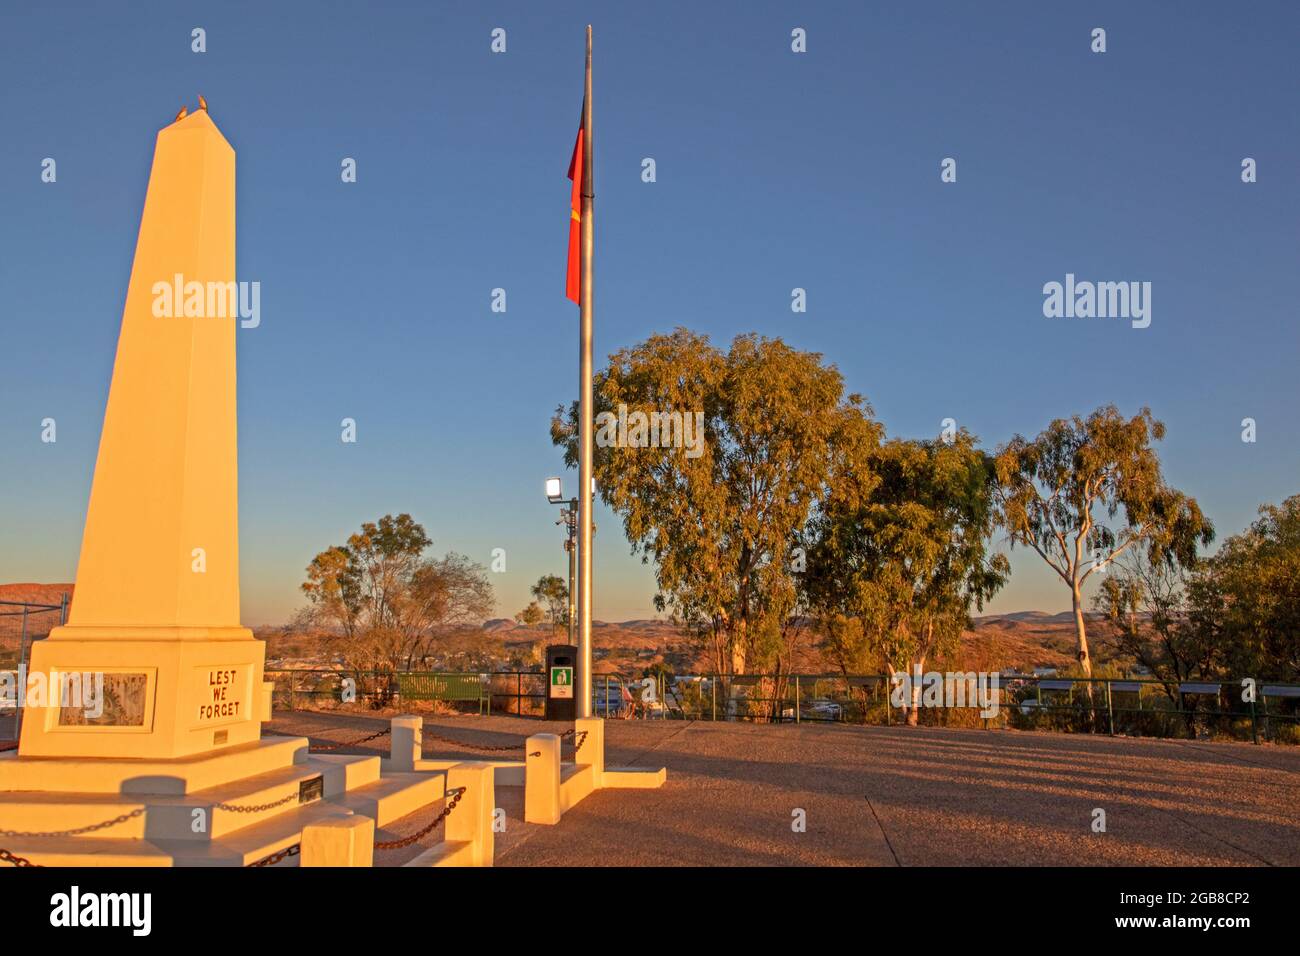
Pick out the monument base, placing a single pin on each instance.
(143, 693)
(231, 808)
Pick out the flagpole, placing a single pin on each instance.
(585, 423)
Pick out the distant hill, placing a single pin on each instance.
(35, 593)
(1018, 639)
(39, 621)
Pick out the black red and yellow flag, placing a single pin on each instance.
(573, 284)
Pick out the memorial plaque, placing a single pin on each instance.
(122, 700)
(311, 790)
(222, 694)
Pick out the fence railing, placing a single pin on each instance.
(1143, 706)
(22, 622)
(518, 693)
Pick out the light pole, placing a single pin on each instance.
(568, 518)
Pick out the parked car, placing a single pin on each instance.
(607, 699)
(823, 709)
(819, 709)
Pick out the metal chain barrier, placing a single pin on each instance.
(277, 856)
(254, 808)
(414, 837)
(332, 746)
(493, 748)
(76, 831)
(7, 857)
(353, 743)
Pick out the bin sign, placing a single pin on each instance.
(561, 681)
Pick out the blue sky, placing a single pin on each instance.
(775, 170)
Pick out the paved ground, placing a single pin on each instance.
(893, 796)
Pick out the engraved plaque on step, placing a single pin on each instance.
(312, 789)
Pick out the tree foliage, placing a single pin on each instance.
(1086, 491)
(384, 601)
(719, 527)
(894, 571)
(1246, 598)
(532, 615)
(552, 595)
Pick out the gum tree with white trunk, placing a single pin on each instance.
(1086, 491)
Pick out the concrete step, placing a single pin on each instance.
(175, 817)
(576, 784)
(634, 778)
(395, 796)
(254, 842)
(240, 848)
(338, 773)
(75, 851)
(454, 853)
(77, 775)
(45, 813)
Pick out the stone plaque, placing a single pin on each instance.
(221, 694)
(311, 789)
(121, 699)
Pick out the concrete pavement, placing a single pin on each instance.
(887, 796)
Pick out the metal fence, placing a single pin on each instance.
(22, 622)
(1131, 706)
(517, 693)
(1260, 710)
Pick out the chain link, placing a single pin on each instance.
(407, 841)
(75, 831)
(354, 743)
(255, 808)
(277, 856)
(581, 738)
(493, 748)
(7, 857)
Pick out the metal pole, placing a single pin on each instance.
(571, 526)
(20, 681)
(585, 414)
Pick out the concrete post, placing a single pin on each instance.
(471, 821)
(343, 841)
(407, 742)
(593, 747)
(268, 696)
(542, 779)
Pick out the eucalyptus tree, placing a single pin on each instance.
(1246, 597)
(720, 520)
(894, 570)
(1061, 492)
(385, 601)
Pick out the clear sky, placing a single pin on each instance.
(775, 170)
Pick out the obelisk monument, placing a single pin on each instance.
(156, 606)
